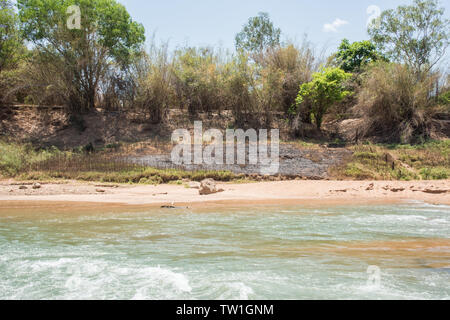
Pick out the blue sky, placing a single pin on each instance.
(216, 22)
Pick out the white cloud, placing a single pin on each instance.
(333, 27)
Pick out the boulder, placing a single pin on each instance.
(209, 186)
(390, 160)
(36, 186)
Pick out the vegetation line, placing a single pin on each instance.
(389, 89)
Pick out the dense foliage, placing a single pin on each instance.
(12, 49)
(258, 34)
(394, 104)
(78, 59)
(417, 35)
(10, 41)
(326, 88)
(102, 64)
(352, 57)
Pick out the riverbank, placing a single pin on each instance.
(262, 193)
(150, 163)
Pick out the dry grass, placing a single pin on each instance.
(110, 165)
(394, 104)
(430, 160)
(427, 161)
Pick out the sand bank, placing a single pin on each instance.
(264, 193)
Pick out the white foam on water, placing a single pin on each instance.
(243, 290)
(45, 262)
(429, 205)
(389, 219)
(173, 284)
(52, 265)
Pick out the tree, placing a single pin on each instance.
(326, 88)
(153, 78)
(107, 36)
(198, 80)
(10, 41)
(11, 49)
(417, 35)
(294, 66)
(352, 57)
(258, 34)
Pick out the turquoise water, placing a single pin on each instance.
(240, 253)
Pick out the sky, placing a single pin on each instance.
(216, 22)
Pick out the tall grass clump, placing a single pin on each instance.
(198, 79)
(154, 92)
(259, 88)
(16, 158)
(394, 103)
(296, 64)
(240, 87)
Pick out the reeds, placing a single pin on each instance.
(118, 164)
(395, 104)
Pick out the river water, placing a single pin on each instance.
(295, 252)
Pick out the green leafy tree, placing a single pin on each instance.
(352, 57)
(258, 34)
(11, 45)
(326, 88)
(107, 36)
(198, 79)
(417, 35)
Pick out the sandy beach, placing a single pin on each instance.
(285, 192)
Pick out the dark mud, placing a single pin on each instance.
(294, 162)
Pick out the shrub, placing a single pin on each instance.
(15, 158)
(326, 88)
(239, 85)
(198, 79)
(295, 65)
(358, 172)
(435, 173)
(154, 92)
(394, 103)
(445, 98)
(366, 155)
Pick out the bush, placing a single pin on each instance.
(394, 103)
(435, 173)
(198, 79)
(239, 83)
(154, 91)
(15, 158)
(8, 87)
(296, 65)
(445, 98)
(326, 89)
